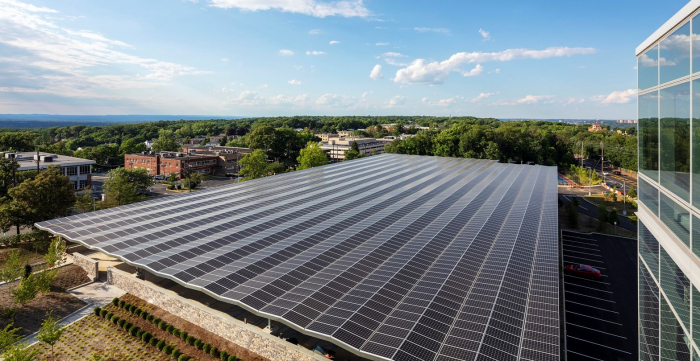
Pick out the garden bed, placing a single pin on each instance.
(29, 317)
(192, 330)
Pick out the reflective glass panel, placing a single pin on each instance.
(649, 249)
(674, 346)
(696, 44)
(649, 134)
(674, 55)
(648, 68)
(696, 315)
(675, 139)
(696, 237)
(676, 218)
(696, 137)
(648, 316)
(676, 286)
(649, 195)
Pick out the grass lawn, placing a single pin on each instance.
(599, 199)
(93, 336)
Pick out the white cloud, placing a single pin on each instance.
(252, 98)
(432, 30)
(315, 31)
(393, 62)
(394, 54)
(376, 73)
(366, 94)
(381, 44)
(478, 69)
(295, 82)
(264, 86)
(336, 100)
(346, 8)
(314, 52)
(286, 52)
(482, 96)
(458, 99)
(297, 101)
(533, 99)
(484, 34)
(616, 97)
(421, 71)
(646, 61)
(97, 37)
(395, 101)
(224, 59)
(333, 42)
(495, 71)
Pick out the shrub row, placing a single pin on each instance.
(32, 236)
(183, 335)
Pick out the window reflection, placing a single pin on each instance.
(675, 139)
(648, 68)
(676, 218)
(649, 134)
(674, 55)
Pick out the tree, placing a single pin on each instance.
(124, 185)
(602, 215)
(19, 352)
(311, 156)
(12, 268)
(194, 179)
(223, 140)
(48, 196)
(573, 215)
(612, 216)
(50, 331)
(26, 291)
(165, 142)
(56, 254)
(131, 146)
(632, 193)
(17, 142)
(84, 201)
(254, 165)
(8, 336)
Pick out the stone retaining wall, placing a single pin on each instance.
(219, 323)
(88, 264)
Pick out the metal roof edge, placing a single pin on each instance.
(676, 19)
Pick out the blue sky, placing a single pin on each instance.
(506, 59)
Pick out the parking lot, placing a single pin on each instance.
(601, 316)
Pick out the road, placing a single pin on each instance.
(590, 210)
(601, 316)
(617, 180)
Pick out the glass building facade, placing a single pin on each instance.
(668, 65)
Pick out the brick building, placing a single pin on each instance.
(168, 163)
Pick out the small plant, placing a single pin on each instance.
(175, 353)
(153, 341)
(133, 330)
(146, 337)
(198, 344)
(103, 313)
(121, 322)
(109, 315)
(183, 335)
(223, 355)
(137, 311)
(156, 321)
(144, 314)
(176, 332)
(115, 319)
(160, 345)
(167, 349)
(122, 303)
(206, 347)
(115, 301)
(232, 358)
(132, 308)
(183, 357)
(214, 351)
(140, 333)
(190, 340)
(149, 318)
(97, 311)
(162, 325)
(169, 328)
(127, 326)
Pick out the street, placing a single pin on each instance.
(624, 180)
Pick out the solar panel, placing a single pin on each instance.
(393, 256)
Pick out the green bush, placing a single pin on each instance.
(115, 319)
(134, 331)
(115, 301)
(144, 314)
(137, 311)
(183, 357)
(97, 311)
(162, 325)
(206, 347)
(103, 313)
(167, 349)
(232, 358)
(140, 333)
(146, 336)
(176, 332)
(198, 344)
(131, 308)
(223, 355)
(175, 353)
(156, 321)
(126, 325)
(190, 340)
(109, 316)
(153, 341)
(122, 303)
(160, 345)
(214, 351)
(149, 318)
(169, 328)
(183, 335)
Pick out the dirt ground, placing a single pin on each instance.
(191, 329)
(29, 317)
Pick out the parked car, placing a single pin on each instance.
(582, 270)
(159, 177)
(617, 172)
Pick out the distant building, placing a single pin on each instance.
(149, 144)
(627, 121)
(216, 140)
(197, 140)
(336, 147)
(325, 136)
(78, 170)
(595, 127)
(168, 163)
(345, 133)
(228, 158)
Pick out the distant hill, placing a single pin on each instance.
(28, 121)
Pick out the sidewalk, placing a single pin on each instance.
(94, 294)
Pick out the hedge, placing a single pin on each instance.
(175, 353)
(122, 303)
(190, 340)
(214, 351)
(176, 332)
(206, 347)
(153, 341)
(162, 325)
(169, 328)
(183, 335)
(223, 355)
(146, 337)
(183, 357)
(149, 318)
(97, 311)
(32, 236)
(232, 358)
(160, 345)
(115, 301)
(198, 343)
(167, 349)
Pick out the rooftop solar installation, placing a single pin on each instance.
(392, 256)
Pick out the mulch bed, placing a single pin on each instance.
(29, 317)
(192, 329)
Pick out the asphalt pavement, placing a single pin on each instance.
(601, 316)
(589, 209)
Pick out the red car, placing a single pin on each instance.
(582, 270)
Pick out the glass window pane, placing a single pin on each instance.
(676, 218)
(649, 195)
(648, 68)
(649, 135)
(648, 316)
(675, 139)
(696, 238)
(696, 315)
(673, 340)
(649, 249)
(676, 286)
(674, 55)
(696, 44)
(696, 136)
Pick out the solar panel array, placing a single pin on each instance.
(393, 256)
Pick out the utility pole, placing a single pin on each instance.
(38, 159)
(14, 181)
(602, 160)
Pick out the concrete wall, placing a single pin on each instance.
(247, 336)
(88, 264)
